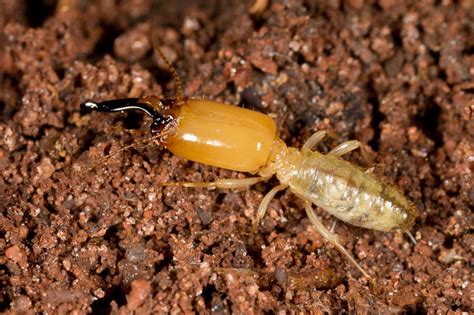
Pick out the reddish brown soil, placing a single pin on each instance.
(397, 75)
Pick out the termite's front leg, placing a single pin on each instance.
(331, 237)
(226, 183)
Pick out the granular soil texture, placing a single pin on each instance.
(80, 234)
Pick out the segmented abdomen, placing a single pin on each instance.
(350, 194)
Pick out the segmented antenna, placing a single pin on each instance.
(174, 73)
(138, 144)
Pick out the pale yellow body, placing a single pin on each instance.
(341, 189)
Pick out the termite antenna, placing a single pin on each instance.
(174, 73)
(144, 143)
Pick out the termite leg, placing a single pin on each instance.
(226, 183)
(262, 208)
(349, 146)
(370, 170)
(345, 147)
(411, 237)
(314, 139)
(317, 137)
(331, 237)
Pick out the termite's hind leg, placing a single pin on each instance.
(262, 208)
(349, 146)
(331, 237)
(225, 183)
(411, 237)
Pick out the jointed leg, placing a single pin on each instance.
(345, 147)
(370, 170)
(349, 146)
(262, 208)
(314, 139)
(331, 237)
(230, 183)
(411, 237)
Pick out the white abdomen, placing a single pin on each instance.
(348, 193)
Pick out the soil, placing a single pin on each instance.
(397, 75)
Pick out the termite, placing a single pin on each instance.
(239, 139)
